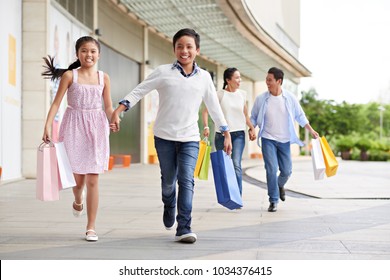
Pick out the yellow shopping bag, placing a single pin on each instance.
(204, 169)
(331, 163)
(202, 150)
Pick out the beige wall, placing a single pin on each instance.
(34, 88)
(280, 19)
(291, 10)
(119, 31)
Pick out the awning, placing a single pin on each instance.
(230, 35)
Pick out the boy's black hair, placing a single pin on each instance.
(227, 75)
(187, 32)
(278, 73)
(53, 73)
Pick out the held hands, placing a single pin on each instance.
(252, 134)
(115, 120)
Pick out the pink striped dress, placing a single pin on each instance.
(85, 129)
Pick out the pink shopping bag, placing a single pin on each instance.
(48, 179)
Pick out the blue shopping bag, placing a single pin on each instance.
(226, 186)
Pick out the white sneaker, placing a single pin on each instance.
(186, 238)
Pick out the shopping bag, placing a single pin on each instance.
(225, 180)
(48, 180)
(204, 169)
(317, 159)
(330, 160)
(64, 168)
(202, 150)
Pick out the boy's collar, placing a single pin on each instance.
(195, 69)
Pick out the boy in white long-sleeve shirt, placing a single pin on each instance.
(182, 86)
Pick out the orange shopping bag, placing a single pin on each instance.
(330, 160)
(202, 151)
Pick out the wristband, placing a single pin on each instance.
(206, 127)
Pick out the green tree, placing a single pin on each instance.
(331, 119)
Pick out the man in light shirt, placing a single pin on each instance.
(275, 112)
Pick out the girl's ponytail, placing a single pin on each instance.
(224, 84)
(227, 75)
(74, 65)
(53, 73)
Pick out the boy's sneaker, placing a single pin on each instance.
(282, 194)
(169, 217)
(186, 238)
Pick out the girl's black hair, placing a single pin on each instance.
(227, 75)
(53, 73)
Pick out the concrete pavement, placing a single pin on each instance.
(345, 217)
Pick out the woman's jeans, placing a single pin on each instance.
(238, 143)
(177, 164)
(277, 156)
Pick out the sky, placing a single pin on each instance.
(346, 46)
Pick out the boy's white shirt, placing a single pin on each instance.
(179, 102)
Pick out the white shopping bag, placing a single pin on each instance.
(317, 159)
(64, 168)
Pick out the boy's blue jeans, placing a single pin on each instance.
(177, 164)
(238, 143)
(277, 156)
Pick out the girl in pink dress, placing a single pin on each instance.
(84, 128)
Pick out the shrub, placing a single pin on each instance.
(363, 144)
(378, 155)
(345, 143)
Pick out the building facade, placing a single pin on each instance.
(136, 37)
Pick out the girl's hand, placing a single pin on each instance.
(46, 136)
(206, 132)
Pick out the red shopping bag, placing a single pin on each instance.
(48, 179)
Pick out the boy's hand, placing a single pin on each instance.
(227, 145)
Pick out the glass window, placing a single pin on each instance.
(82, 10)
